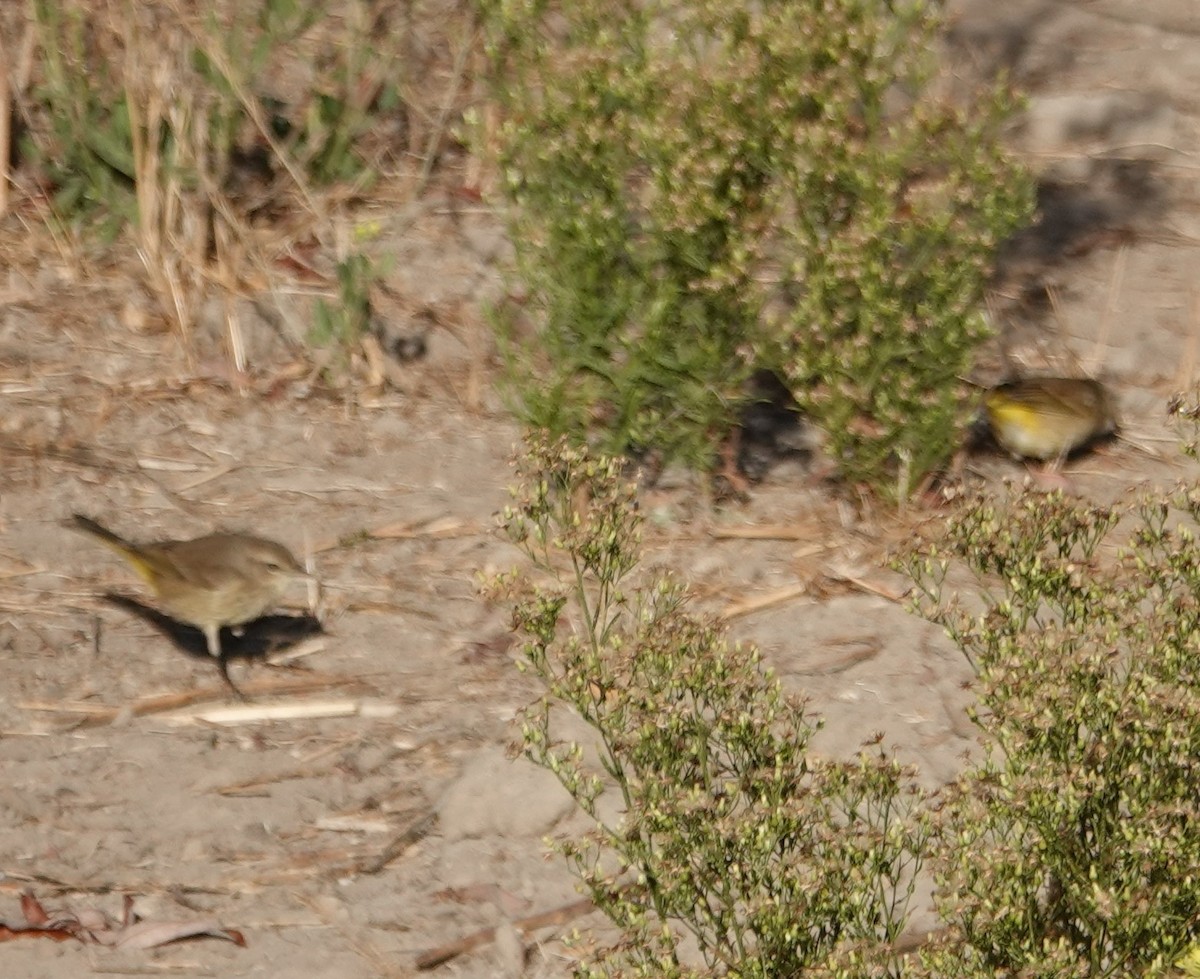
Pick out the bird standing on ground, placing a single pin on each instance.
(210, 582)
(1048, 418)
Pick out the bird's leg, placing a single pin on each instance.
(212, 633)
(223, 664)
(738, 485)
(1051, 477)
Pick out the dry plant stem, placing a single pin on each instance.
(251, 106)
(176, 221)
(76, 455)
(230, 255)
(761, 532)
(456, 81)
(253, 713)
(444, 953)
(95, 716)
(745, 606)
(400, 843)
(172, 222)
(5, 127)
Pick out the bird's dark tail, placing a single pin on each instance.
(130, 552)
(89, 526)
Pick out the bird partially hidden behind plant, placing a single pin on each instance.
(211, 582)
(1049, 418)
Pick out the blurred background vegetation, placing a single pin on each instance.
(697, 193)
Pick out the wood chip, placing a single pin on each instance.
(168, 465)
(255, 713)
(758, 603)
(353, 824)
(88, 714)
(763, 532)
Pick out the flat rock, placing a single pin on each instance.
(500, 796)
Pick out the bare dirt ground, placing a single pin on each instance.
(384, 818)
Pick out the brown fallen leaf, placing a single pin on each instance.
(9, 932)
(152, 934)
(93, 927)
(34, 913)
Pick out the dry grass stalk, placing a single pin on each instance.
(190, 235)
(558, 916)
(762, 532)
(92, 715)
(215, 51)
(5, 127)
(255, 713)
(174, 219)
(779, 596)
(468, 44)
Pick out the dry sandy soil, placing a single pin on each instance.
(383, 818)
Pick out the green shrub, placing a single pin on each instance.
(699, 189)
(889, 278)
(1072, 849)
(722, 846)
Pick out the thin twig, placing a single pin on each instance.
(747, 605)
(444, 953)
(5, 127)
(400, 843)
(94, 715)
(435, 137)
(762, 532)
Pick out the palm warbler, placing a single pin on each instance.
(1048, 418)
(210, 582)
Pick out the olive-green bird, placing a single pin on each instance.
(209, 582)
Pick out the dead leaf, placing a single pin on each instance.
(32, 908)
(8, 933)
(93, 927)
(152, 934)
